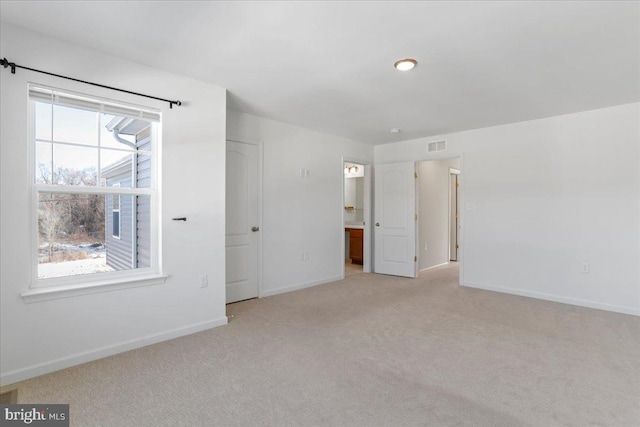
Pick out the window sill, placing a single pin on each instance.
(66, 291)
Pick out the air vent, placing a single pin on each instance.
(435, 146)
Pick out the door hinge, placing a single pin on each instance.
(416, 217)
(457, 184)
(457, 246)
(415, 258)
(415, 175)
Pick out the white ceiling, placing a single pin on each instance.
(328, 66)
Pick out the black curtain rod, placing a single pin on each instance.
(6, 64)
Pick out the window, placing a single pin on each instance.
(94, 188)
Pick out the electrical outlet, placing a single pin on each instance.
(425, 246)
(304, 256)
(585, 267)
(204, 281)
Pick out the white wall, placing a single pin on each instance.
(46, 336)
(549, 195)
(433, 198)
(299, 214)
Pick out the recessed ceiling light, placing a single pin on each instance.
(405, 64)
(394, 130)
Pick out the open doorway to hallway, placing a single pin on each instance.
(439, 224)
(354, 218)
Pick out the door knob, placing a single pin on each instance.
(254, 228)
(377, 224)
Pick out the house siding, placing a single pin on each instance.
(127, 251)
(143, 204)
(119, 250)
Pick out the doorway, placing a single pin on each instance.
(412, 216)
(439, 215)
(242, 246)
(356, 189)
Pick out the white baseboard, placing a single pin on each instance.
(299, 286)
(91, 355)
(435, 266)
(556, 298)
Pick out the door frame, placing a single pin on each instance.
(260, 202)
(366, 238)
(461, 198)
(454, 171)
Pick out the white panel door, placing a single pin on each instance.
(242, 226)
(394, 219)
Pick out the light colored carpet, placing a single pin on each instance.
(371, 351)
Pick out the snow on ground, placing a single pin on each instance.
(96, 264)
(88, 248)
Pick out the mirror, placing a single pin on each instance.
(353, 193)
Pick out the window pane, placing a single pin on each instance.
(44, 163)
(75, 165)
(71, 235)
(116, 168)
(116, 223)
(43, 121)
(86, 234)
(75, 126)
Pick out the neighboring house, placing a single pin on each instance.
(123, 213)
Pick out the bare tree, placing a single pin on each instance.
(69, 214)
(43, 175)
(52, 219)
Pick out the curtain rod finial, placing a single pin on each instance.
(5, 63)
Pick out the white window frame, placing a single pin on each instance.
(62, 287)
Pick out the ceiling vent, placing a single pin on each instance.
(436, 146)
